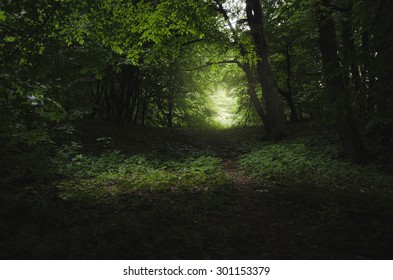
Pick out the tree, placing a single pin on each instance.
(336, 90)
(257, 53)
(274, 114)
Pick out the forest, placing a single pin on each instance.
(196, 129)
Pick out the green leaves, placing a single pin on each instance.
(2, 16)
(300, 161)
(114, 173)
(9, 39)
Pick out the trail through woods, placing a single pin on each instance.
(241, 181)
(228, 148)
(97, 217)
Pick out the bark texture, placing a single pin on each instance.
(338, 93)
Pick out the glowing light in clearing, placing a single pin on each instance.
(225, 107)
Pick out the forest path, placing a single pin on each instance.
(241, 181)
(228, 146)
(241, 220)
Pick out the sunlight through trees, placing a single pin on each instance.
(224, 105)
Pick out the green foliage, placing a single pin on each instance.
(115, 173)
(2, 16)
(309, 162)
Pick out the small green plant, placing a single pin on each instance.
(302, 161)
(112, 173)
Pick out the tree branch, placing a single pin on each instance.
(226, 17)
(18, 48)
(192, 42)
(284, 10)
(214, 63)
(231, 27)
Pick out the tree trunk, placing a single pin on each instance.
(251, 83)
(275, 117)
(353, 146)
(288, 95)
(350, 57)
(251, 90)
(368, 72)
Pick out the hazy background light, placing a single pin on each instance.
(224, 105)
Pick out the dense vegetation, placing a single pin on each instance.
(196, 129)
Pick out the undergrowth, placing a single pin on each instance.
(111, 173)
(303, 160)
(164, 195)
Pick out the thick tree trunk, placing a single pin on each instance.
(288, 97)
(275, 117)
(338, 94)
(251, 83)
(251, 90)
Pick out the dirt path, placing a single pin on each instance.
(227, 145)
(240, 181)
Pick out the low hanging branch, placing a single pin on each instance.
(214, 63)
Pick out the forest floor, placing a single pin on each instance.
(219, 209)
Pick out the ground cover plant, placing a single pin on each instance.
(112, 173)
(312, 162)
